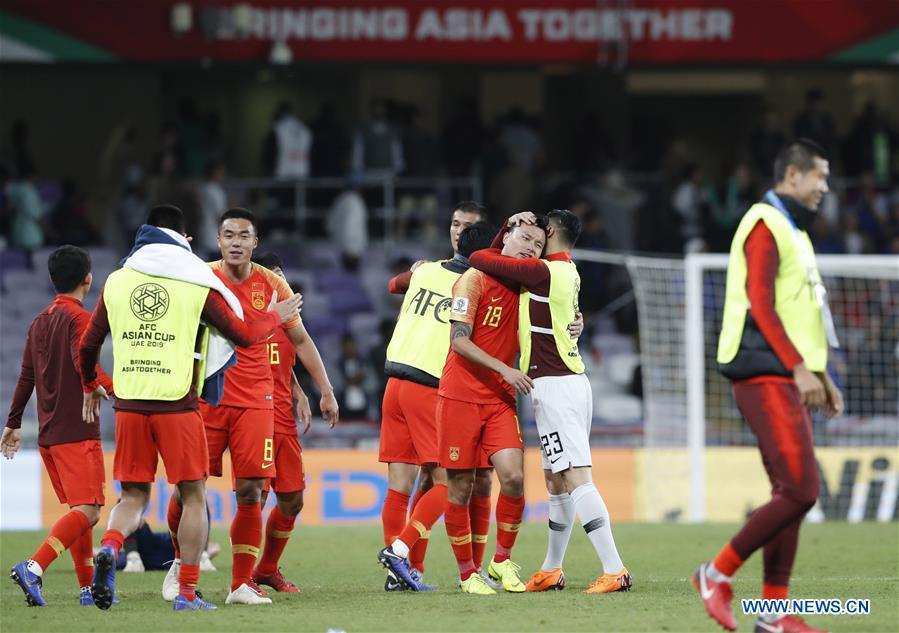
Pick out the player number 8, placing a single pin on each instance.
(268, 450)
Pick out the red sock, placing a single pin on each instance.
(62, 535)
(458, 529)
(174, 520)
(113, 539)
(277, 532)
(774, 592)
(393, 514)
(415, 499)
(188, 577)
(727, 561)
(479, 511)
(82, 551)
(246, 537)
(508, 521)
(427, 511)
(417, 552)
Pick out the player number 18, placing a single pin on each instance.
(492, 316)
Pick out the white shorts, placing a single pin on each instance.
(563, 408)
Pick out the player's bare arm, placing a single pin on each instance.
(10, 442)
(312, 361)
(460, 340)
(302, 408)
(834, 405)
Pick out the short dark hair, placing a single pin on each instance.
(238, 213)
(68, 266)
(567, 223)
(475, 237)
(166, 216)
(470, 206)
(269, 259)
(800, 153)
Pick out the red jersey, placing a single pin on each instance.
(50, 366)
(249, 383)
(491, 308)
(282, 355)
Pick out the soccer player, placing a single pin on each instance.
(243, 421)
(775, 334)
(476, 410)
(155, 325)
(562, 399)
(70, 449)
(288, 482)
(415, 359)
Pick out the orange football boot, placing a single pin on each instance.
(609, 583)
(552, 580)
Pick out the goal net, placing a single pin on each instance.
(699, 460)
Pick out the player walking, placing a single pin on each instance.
(155, 326)
(476, 410)
(774, 341)
(415, 359)
(561, 397)
(70, 449)
(243, 421)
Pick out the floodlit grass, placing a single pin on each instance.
(343, 586)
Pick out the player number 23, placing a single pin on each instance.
(493, 315)
(556, 447)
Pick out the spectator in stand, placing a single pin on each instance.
(347, 225)
(377, 148)
(286, 149)
(872, 146)
(20, 159)
(422, 158)
(688, 201)
(378, 357)
(329, 144)
(872, 210)
(28, 213)
(70, 221)
(354, 399)
(738, 195)
(130, 207)
(212, 201)
(520, 140)
(191, 145)
(464, 138)
(764, 143)
(815, 122)
(617, 204)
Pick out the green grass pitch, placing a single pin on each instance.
(343, 586)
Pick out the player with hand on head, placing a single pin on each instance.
(160, 350)
(70, 449)
(243, 420)
(288, 482)
(776, 332)
(561, 397)
(415, 359)
(476, 410)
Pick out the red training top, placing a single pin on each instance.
(50, 364)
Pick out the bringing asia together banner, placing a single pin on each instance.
(565, 31)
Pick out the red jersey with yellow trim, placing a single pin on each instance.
(491, 308)
(249, 384)
(282, 355)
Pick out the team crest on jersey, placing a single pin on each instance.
(258, 297)
(460, 306)
(454, 453)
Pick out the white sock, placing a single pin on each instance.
(561, 520)
(400, 549)
(595, 518)
(34, 568)
(716, 575)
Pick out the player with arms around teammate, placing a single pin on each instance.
(159, 349)
(775, 335)
(562, 398)
(415, 359)
(70, 449)
(393, 514)
(243, 421)
(476, 410)
(288, 482)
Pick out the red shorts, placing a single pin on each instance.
(290, 475)
(76, 471)
(408, 423)
(247, 433)
(142, 438)
(469, 431)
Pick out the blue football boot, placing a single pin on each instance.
(30, 583)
